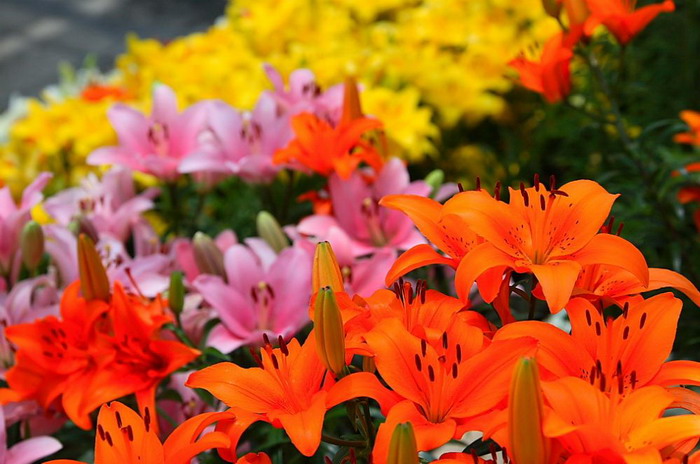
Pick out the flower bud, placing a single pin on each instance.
(528, 445)
(577, 11)
(434, 179)
(270, 231)
(209, 259)
(93, 278)
(325, 271)
(368, 364)
(403, 448)
(352, 108)
(330, 336)
(552, 7)
(176, 293)
(32, 245)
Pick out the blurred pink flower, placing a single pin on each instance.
(358, 222)
(13, 217)
(157, 143)
(111, 204)
(178, 411)
(27, 451)
(265, 293)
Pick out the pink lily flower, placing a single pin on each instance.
(178, 411)
(265, 293)
(28, 300)
(357, 216)
(13, 217)
(27, 451)
(154, 144)
(111, 204)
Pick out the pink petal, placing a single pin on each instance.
(28, 451)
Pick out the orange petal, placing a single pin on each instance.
(414, 258)
(425, 214)
(477, 262)
(678, 373)
(557, 279)
(614, 251)
(124, 434)
(184, 443)
(304, 427)
(662, 278)
(361, 384)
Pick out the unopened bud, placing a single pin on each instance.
(434, 179)
(325, 271)
(352, 108)
(403, 448)
(209, 259)
(552, 7)
(368, 364)
(577, 11)
(176, 293)
(32, 245)
(83, 225)
(270, 231)
(330, 336)
(93, 277)
(525, 414)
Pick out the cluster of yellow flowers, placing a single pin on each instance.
(425, 65)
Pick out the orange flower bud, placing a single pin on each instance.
(528, 444)
(403, 448)
(577, 11)
(552, 7)
(352, 108)
(93, 278)
(330, 336)
(32, 245)
(209, 259)
(83, 225)
(270, 231)
(326, 272)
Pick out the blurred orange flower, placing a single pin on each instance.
(622, 18)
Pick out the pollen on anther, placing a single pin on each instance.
(419, 365)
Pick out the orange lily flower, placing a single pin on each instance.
(615, 355)
(253, 458)
(593, 427)
(123, 437)
(611, 285)
(551, 74)
(551, 234)
(622, 18)
(692, 137)
(326, 149)
(97, 353)
(290, 390)
(441, 385)
(99, 92)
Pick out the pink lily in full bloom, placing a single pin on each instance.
(111, 204)
(357, 216)
(13, 217)
(242, 144)
(26, 451)
(154, 144)
(264, 293)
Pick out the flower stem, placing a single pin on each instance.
(340, 442)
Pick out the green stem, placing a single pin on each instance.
(532, 300)
(340, 442)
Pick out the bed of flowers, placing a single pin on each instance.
(210, 256)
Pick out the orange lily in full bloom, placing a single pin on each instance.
(99, 352)
(615, 355)
(441, 385)
(551, 74)
(290, 390)
(549, 233)
(123, 437)
(592, 427)
(326, 149)
(622, 18)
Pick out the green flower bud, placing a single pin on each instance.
(32, 245)
(403, 448)
(330, 336)
(270, 231)
(176, 293)
(209, 259)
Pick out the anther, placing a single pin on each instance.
(626, 333)
(643, 321)
(419, 365)
(602, 382)
(459, 353)
(266, 340)
(543, 204)
(147, 418)
(478, 183)
(598, 329)
(119, 419)
(444, 340)
(633, 379)
(625, 309)
(274, 361)
(108, 437)
(423, 347)
(283, 345)
(460, 187)
(129, 432)
(431, 373)
(536, 183)
(619, 229)
(552, 183)
(256, 357)
(454, 370)
(101, 432)
(497, 191)
(523, 192)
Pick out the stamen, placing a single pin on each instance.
(108, 437)
(147, 418)
(543, 204)
(119, 419)
(598, 329)
(602, 382)
(619, 229)
(423, 347)
(419, 365)
(643, 321)
(444, 340)
(256, 357)
(460, 187)
(275, 364)
(523, 192)
(266, 340)
(625, 309)
(101, 432)
(537, 183)
(431, 373)
(633, 379)
(129, 432)
(459, 353)
(589, 320)
(626, 333)
(283, 345)
(478, 183)
(497, 191)
(552, 183)
(454, 370)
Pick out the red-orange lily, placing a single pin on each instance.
(549, 76)
(592, 427)
(622, 18)
(692, 137)
(440, 385)
(326, 149)
(123, 437)
(615, 355)
(549, 233)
